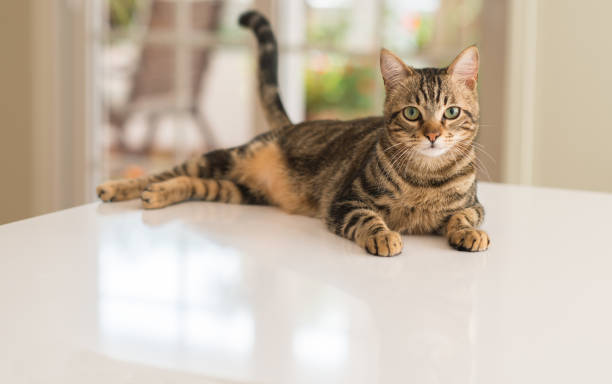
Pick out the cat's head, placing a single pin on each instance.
(432, 111)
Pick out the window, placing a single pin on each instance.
(174, 80)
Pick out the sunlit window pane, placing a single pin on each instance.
(339, 86)
(167, 66)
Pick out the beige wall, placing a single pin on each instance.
(44, 107)
(572, 131)
(15, 110)
(491, 81)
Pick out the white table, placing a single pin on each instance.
(208, 293)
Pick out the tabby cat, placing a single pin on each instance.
(411, 171)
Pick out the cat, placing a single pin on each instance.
(410, 171)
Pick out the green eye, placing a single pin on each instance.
(452, 113)
(411, 113)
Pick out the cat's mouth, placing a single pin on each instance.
(433, 151)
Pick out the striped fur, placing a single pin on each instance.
(369, 179)
(267, 75)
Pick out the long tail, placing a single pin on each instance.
(268, 68)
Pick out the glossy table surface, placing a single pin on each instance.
(211, 293)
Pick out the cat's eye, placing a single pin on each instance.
(411, 113)
(452, 112)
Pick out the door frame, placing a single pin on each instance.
(63, 104)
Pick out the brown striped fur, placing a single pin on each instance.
(369, 179)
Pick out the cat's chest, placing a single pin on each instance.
(421, 210)
(414, 220)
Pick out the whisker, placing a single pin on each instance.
(464, 149)
(392, 146)
(481, 148)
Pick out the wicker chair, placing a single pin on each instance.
(153, 84)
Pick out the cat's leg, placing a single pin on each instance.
(462, 233)
(213, 164)
(358, 222)
(127, 189)
(183, 188)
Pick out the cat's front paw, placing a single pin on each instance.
(118, 190)
(470, 240)
(387, 243)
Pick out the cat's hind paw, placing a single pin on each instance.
(469, 240)
(386, 243)
(159, 195)
(106, 192)
(155, 196)
(118, 190)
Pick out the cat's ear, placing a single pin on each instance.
(464, 68)
(393, 68)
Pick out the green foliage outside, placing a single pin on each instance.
(342, 91)
(425, 31)
(121, 12)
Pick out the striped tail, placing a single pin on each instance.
(268, 68)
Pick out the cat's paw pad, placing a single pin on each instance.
(118, 190)
(384, 244)
(155, 196)
(107, 191)
(470, 240)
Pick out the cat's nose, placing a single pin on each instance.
(432, 136)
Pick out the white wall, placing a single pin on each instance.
(563, 59)
(573, 109)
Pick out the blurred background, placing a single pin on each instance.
(98, 89)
